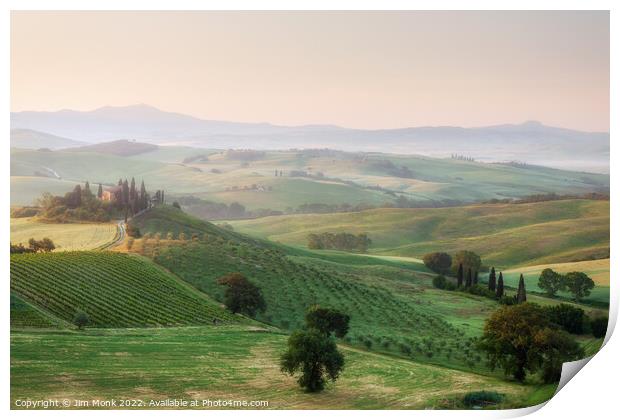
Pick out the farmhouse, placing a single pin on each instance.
(111, 194)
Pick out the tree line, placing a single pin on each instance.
(341, 241)
(34, 246)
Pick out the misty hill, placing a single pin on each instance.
(31, 139)
(530, 142)
(118, 148)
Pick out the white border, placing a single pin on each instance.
(591, 395)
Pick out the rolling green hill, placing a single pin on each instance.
(113, 289)
(503, 234)
(393, 308)
(308, 176)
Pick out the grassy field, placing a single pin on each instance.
(503, 234)
(66, 236)
(113, 289)
(598, 270)
(227, 362)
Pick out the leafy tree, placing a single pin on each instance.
(599, 326)
(521, 339)
(521, 297)
(579, 284)
(440, 282)
(315, 355)
(439, 262)
(499, 292)
(492, 280)
(555, 347)
(550, 282)
(327, 320)
(241, 295)
(176, 205)
(468, 259)
(133, 230)
(81, 320)
(568, 317)
(459, 276)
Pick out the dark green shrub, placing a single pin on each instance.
(568, 317)
(599, 326)
(482, 398)
(508, 300)
(440, 282)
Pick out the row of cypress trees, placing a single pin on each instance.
(497, 286)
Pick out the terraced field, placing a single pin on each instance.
(115, 290)
(228, 362)
(504, 235)
(66, 236)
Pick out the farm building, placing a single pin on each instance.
(111, 194)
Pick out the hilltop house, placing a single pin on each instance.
(112, 194)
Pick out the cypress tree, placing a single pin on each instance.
(132, 189)
(459, 276)
(86, 188)
(499, 292)
(143, 198)
(475, 277)
(100, 192)
(492, 279)
(521, 290)
(125, 193)
(120, 182)
(469, 279)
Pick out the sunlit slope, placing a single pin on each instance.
(504, 234)
(113, 289)
(66, 236)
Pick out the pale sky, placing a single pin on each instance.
(354, 69)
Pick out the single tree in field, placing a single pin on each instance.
(520, 338)
(439, 262)
(499, 292)
(459, 276)
(327, 320)
(579, 284)
(81, 320)
(241, 295)
(521, 298)
(492, 279)
(469, 280)
(550, 282)
(315, 355)
(100, 192)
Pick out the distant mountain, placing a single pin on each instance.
(530, 142)
(31, 139)
(118, 148)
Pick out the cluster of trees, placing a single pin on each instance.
(79, 204)
(388, 167)
(129, 200)
(577, 283)
(220, 211)
(342, 241)
(242, 296)
(462, 157)
(244, 155)
(524, 339)
(43, 245)
(312, 350)
(536, 198)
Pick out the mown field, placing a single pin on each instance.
(504, 235)
(66, 236)
(113, 289)
(228, 362)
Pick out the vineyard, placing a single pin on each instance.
(114, 290)
(24, 315)
(387, 316)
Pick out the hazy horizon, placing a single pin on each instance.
(364, 70)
